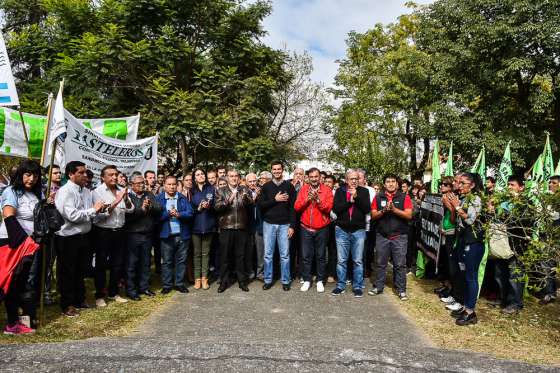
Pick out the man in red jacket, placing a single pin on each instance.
(314, 203)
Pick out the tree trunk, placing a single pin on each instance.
(411, 140)
(184, 155)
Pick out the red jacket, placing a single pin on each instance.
(314, 215)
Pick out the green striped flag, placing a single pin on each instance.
(436, 172)
(449, 164)
(505, 170)
(548, 163)
(480, 164)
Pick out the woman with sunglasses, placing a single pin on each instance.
(470, 242)
(18, 202)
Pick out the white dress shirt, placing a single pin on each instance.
(116, 218)
(75, 204)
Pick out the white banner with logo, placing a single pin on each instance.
(8, 92)
(96, 150)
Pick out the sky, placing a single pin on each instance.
(320, 27)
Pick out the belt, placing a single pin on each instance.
(111, 229)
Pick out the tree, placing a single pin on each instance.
(196, 70)
(499, 64)
(389, 101)
(295, 125)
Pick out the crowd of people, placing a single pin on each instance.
(312, 228)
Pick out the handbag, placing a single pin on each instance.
(47, 220)
(499, 242)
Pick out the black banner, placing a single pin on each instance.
(431, 213)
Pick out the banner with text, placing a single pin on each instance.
(96, 150)
(12, 140)
(431, 212)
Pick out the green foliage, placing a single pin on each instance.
(196, 70)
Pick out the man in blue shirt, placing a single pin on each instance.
(175, 233)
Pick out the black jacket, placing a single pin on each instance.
(140, 221)
(274, 212)
(232, 215)
(361, 208)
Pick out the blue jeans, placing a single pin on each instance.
(138, 266)
(273, 233)
(350, 243)
(174, 255)
(471, 256)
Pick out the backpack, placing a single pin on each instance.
(47, 220)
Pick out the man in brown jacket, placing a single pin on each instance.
(231, 206)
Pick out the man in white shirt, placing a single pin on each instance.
(75, 204)
(109, 237)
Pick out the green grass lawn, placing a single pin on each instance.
(117, 319)
(532, 335)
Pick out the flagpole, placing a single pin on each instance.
(46, 132)
(49, 182)
(24, 132)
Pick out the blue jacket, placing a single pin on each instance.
(185, 216)
(205, 220)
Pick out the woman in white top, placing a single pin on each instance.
(19, 200)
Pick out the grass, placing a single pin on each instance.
(117, 319)
(532, 336)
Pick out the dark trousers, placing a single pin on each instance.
(471, 256)
(18, 296)
(296, 253)
(232, 241)
(443, 258)
(138, 262)
(456, 276)
(412, 249)
(509, 277)
(369, 250)
(72, 263)
(50, 252)
(396, 249)
(110, 246)
(331, 257)
(550, 281)
(250, 255)
(313, 245)
(156, 243)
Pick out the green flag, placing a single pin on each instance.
(505, 170)
(449, 164)
(480, 165)
(548, 163)
(436, 173)
(537, 173)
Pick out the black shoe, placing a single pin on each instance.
(166, 290)
(182, 289)
(148, 293)
(467, 319)
(444, 293)
(440, 289)
(286, 287)
(244, 287)
(267, 286)
(222, 288)
(134, 297)
(458, 313)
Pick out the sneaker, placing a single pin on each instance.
(449, 299)
(403, 297)
(549, 298)
(358, 293)
(306, 285)
(100, 302)
(320, 287)
(117, 298)
(466, 319)
(337, 291)
(71, 312)
(455, 306)
(456, 314)
(11, 330)
(301, 281)
(374, 291)
(511, 310)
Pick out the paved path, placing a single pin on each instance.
(271, 331)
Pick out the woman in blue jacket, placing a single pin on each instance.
(204, 226)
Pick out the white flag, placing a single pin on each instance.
(8, 92)
(56, 127)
